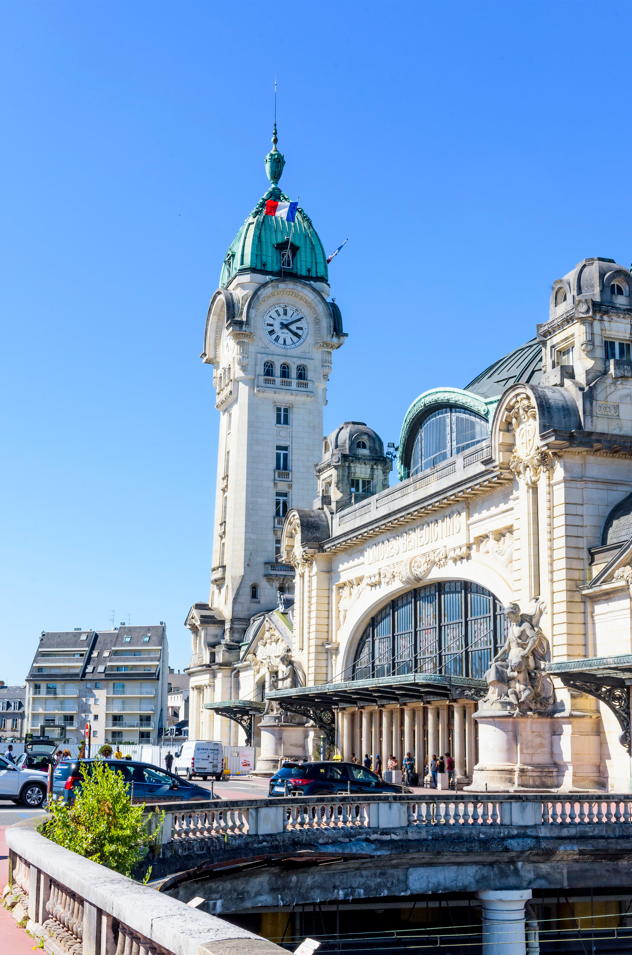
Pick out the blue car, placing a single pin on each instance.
(147, 783)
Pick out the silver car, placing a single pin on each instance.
(21, 785)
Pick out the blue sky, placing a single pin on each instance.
(470, 152)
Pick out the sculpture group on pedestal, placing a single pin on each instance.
(518, 683)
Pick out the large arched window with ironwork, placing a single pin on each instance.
(453, 628)
(443, 434)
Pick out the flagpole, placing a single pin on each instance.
(289, 241)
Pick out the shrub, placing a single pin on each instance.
(102, 824)
(105, 751)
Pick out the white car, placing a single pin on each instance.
(199, 758)
(21, 785)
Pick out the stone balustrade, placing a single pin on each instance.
(199, 823)
(81, 908)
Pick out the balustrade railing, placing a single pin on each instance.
(231, 819)
(81, 908)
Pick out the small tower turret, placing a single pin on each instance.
(353, 466)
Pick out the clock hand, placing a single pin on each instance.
(293, 322)
(290, 330)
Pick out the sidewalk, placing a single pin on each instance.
(13, 939)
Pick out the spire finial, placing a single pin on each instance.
(274, 161)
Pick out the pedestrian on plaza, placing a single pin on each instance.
(8, 754)
(168, 760)
(65, 755)
(118, 754)
(433, 770)
(440, 765)
(449, 767)
(367, 761)
(378, 765)
(354, 758)
(58, 757)
(392, 763)
(408, 766)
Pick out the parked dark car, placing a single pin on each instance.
(147, 783)
(327, 778)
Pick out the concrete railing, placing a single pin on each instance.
(81, 908)
(230, 819)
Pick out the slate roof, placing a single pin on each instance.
(523, 365)
(94, 643)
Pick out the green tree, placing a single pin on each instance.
(102, 824)
(106, 750)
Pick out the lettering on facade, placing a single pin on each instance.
(424, 535)
(607, 408)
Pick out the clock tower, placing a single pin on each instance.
(270, 334)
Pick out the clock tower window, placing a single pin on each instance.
(285, 370)
(282, 457)
(301, 373)
(268, 369)
(283, 416)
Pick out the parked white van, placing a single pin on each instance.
(199, 758)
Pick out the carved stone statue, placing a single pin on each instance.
(517, 679)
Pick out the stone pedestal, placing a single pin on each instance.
(443, 782)
(280, 740)
(515, 752)
(393, 776)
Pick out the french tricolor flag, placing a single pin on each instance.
(282, 210)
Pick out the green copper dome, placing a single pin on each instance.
(262, 240)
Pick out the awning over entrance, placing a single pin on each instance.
(607, 679)
(240, 711)
(318, 703)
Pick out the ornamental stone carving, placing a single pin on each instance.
(267, 655)
(528, 460)
(412, 570)
(348, 593)
(498, 545)
(518, 683)
(624, 573)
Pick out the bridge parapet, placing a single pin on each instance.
(236, 819)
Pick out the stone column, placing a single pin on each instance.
(387, 736)
(433, 730)
(409, 723)
(347, 734)
(194, 712)
(443, 729)
(366, 735)
(397, 735)
(459, 740)
(207, 715)
(470, 728)
(419, 743)
(504, 921)
(375, 722)
(357, 735)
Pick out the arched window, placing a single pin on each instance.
(326, 448)
(616, 289)
(560, 296)
(285, 370)
(268, 369)
(301, 373)
(453, 628)
(361, 445)
(443, 434)
(254, 591)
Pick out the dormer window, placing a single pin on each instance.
(560, 296)
(616, 289)
(362, 445)
(565, 356)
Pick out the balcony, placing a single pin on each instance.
(135, 694)
(285, 476)
(284, 386)
(278, 569)
(218, 574)
(127, 708)
(128, 724)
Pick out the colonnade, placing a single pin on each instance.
(421, 729)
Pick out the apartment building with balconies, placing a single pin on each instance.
(115, 680)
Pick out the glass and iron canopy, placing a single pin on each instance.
(452, 628)
(443, 434)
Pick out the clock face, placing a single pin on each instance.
(285, 326)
